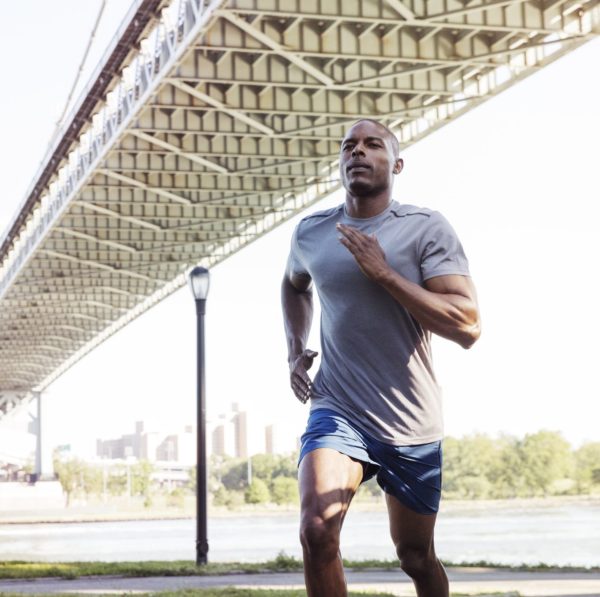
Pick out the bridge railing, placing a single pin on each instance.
(179, 24)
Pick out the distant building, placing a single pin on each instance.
(179, 447)
(229, 435)
(152, 446)
(218, 440)
(269, 440)
(222, 436)
(276, 442)
(240, 426)
(240, 434)
(149, 445)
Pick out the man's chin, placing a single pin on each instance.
(360, 188)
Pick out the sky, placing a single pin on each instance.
(517, 177)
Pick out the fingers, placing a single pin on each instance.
(302, 391)
(366, 250)
(301, 385)
(355, 240)
(299, 380)
(348, 230)
(350, 235)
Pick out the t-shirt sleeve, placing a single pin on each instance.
(440, 249)
(295, 263)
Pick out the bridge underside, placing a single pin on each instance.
(225, 124)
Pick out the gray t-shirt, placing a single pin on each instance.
(376, 366)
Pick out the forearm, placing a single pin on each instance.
(450, 315)
(297, 317)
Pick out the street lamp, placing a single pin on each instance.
(199, 281)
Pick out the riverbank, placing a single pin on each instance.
(23, 511)
(282, 563)
(463, 582)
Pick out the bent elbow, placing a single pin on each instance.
(470, 336)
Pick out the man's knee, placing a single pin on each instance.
(320, 539)
(416, 562)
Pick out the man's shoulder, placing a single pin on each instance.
(318, 217)
(405, 210)
(419, 219)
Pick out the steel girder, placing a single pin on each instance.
(222, 125)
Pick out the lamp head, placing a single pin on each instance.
(199, 279)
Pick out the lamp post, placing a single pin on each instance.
(199, 281)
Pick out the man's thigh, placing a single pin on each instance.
(410, 530)
(328, 480)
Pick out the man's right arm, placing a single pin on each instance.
(297, 304)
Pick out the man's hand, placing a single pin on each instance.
(366, 250)
(299, 380)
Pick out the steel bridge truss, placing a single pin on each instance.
(224, 123)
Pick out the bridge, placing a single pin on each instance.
(207, 124)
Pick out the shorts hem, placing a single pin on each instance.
(316, 444)
(426, 511)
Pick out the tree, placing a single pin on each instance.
(587, 466)
(141, 473)
(212, 483)
(92, 479)
(546, 458)
(216, 465)
(507, 474)
(220, 496)
(70, 473)
(117, 480)
(285, 491)
(235, 474)
(468, 466)
(287, 465)
(226, 497)
(257, 492)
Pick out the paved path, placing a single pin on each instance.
(463, 580)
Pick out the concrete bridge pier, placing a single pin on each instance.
(42, 468)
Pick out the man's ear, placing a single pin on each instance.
(399, 164)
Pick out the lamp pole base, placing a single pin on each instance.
(201, 553)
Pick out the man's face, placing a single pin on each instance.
(367, 159)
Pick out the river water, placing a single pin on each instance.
(560, 534)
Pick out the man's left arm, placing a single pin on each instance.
(447, 306)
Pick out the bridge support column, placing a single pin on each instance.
(42, 466)
(37, 469)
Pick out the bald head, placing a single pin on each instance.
(387, 132)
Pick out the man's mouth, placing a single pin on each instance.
(358, 166)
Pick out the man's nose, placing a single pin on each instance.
(358, 148)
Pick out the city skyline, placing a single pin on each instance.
(231, 433)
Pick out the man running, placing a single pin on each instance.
(388, 276)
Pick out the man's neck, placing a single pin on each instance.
(366, 207)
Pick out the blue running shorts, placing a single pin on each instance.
(412, 474)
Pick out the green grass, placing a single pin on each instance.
(71, 570)
(232, 592)
(282, 563)
(395, 564)
(228, 592)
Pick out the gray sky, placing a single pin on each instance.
(517, 177)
